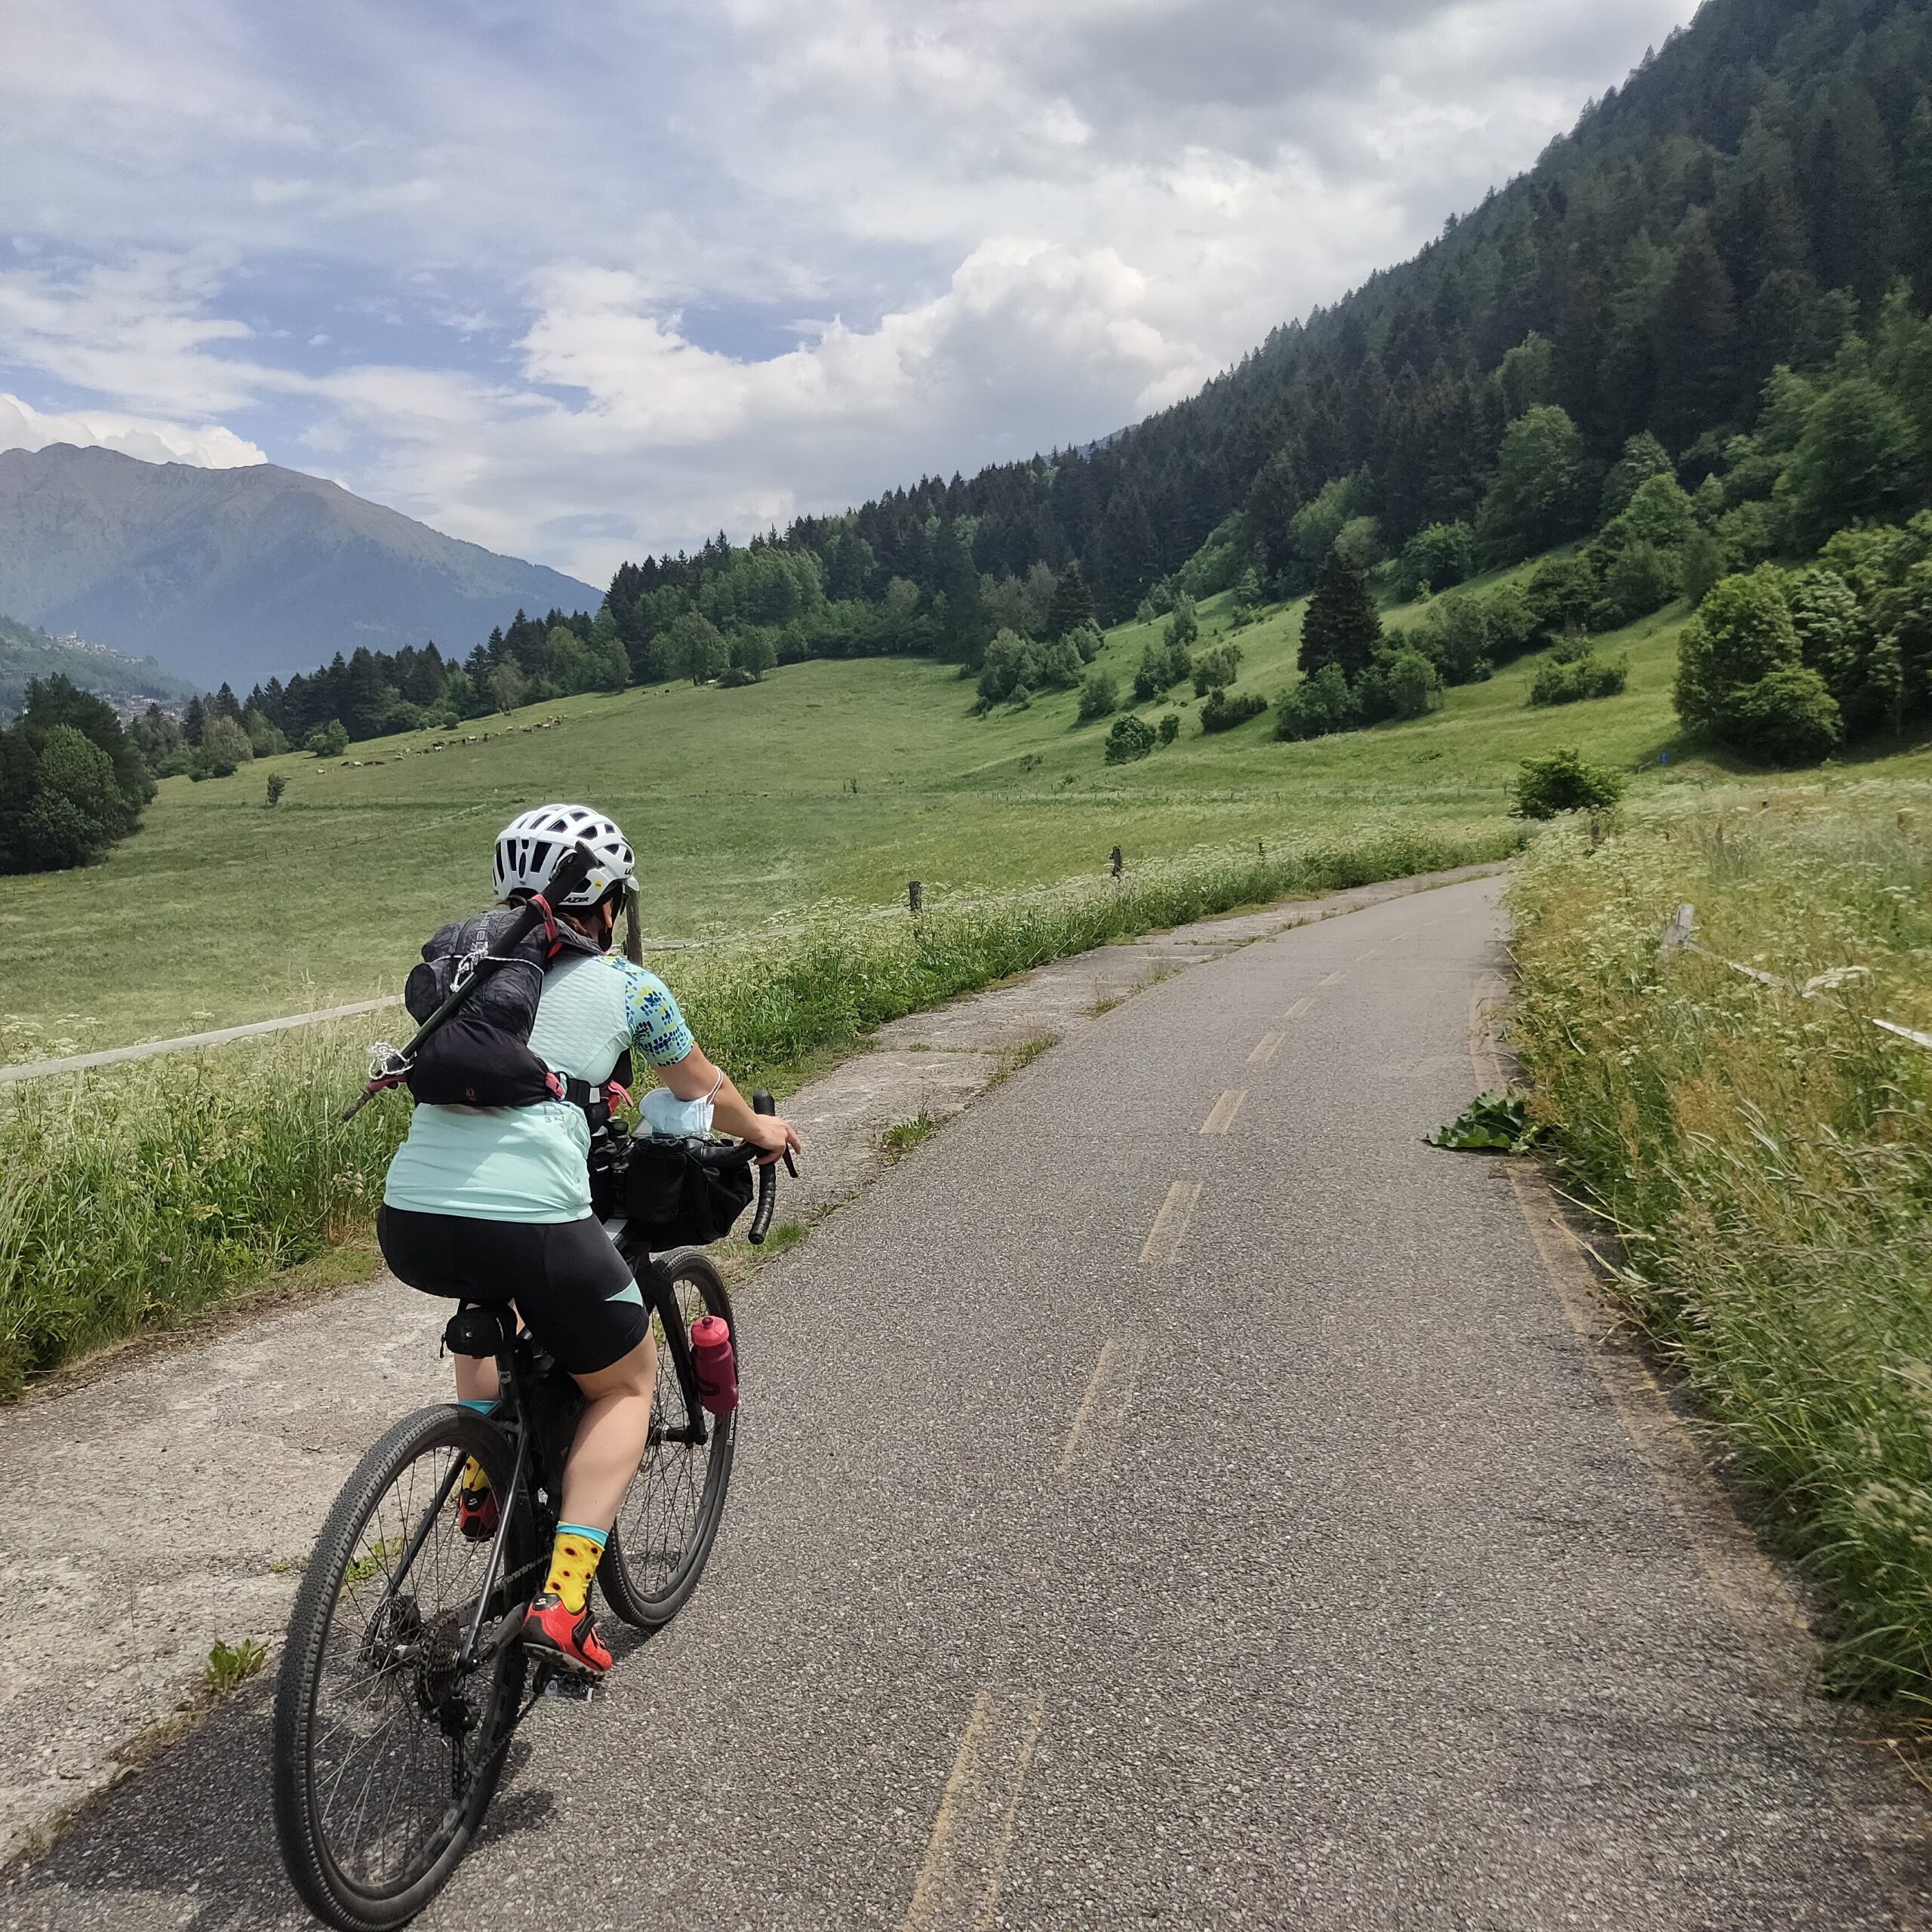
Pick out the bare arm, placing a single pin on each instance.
(692, 1077)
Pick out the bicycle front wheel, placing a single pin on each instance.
(664, 1534)
(389, 1741)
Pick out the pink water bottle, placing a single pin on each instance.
(717, 1372)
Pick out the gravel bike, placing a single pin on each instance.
(403, 1678)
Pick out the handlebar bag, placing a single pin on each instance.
(682, 1193)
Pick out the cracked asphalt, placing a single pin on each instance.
(1291, 1565)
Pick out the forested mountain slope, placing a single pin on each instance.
(1757, 197)
(1744, 201)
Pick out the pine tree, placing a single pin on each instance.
(1851, 195)
(1073, 605)
(1342, 626)
(1696, 338)
(1915, 199)
(963, 634)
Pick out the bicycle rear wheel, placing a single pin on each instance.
(387, 1748)
(664, 1534)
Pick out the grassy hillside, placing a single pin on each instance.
(830, 782)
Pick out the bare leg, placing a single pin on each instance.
(476, 1378)
(610, 1437)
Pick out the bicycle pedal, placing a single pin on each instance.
(563, 1688)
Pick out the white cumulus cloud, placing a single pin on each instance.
(580, 284)
(204, 446)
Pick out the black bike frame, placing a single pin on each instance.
(517, 1380)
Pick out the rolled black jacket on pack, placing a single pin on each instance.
(480, 1056)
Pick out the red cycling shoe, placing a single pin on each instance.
(568, 1638)
(476, 1515)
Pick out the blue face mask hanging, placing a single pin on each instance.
(662, 1112)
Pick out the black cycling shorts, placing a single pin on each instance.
(569, 1284)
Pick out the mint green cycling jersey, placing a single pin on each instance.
(528, 1163)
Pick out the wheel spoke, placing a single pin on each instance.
(664, 1526)
(386, 1782)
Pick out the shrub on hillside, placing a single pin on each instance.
(1570, 680)
(1562, 592)
(1563, 781)
(1788, 717)
(1099, 696)
(1015, 667)
(1399, 683)
(1643, 457)
(1436, 558)
(1542, 488)
(1086, 640)
(1320, 704)
(1130, 738)
(1162, 667)
(1223, 711)
(1216, 669)
(1638, 580)
(753, 653)
(1453, 635)
(1510, 623)
(329, 740)
(1741, 673)
(223, 750)
(1170, 726)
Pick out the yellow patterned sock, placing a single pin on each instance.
(476, 1478)
(573, 1563)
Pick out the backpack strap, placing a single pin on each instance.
(596, 1099)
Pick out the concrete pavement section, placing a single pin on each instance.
(1173, 1495)
(171, 1492)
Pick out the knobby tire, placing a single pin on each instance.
(387, 1643)
(664, 1532)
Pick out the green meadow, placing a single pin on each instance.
(827, 786)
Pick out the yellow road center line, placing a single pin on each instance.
(1336, 978)
(1109, 1397)
(929, 1888)
(1266, 1047)
(1296, 1011)
(1010, 1824)
(1163, 1242)
(959, 1878)
(1226, 1107)
(1086, 1408)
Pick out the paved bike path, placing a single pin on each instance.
(1139, 1524)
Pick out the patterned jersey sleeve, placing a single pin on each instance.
(658, 1032)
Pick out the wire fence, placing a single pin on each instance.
(1677, 938)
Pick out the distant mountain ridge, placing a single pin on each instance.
(131, 685)
(243, 574)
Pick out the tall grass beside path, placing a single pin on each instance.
(131, 1196)
(1766, 1160)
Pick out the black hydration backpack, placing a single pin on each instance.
(475, 994)
(479, 1056)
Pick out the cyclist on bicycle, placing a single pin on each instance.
(493, 1205)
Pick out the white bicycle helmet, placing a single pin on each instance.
(528, 849)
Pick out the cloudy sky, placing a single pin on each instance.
(577, 282)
